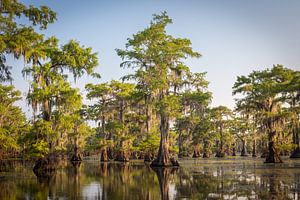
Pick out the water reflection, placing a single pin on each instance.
(91, 180)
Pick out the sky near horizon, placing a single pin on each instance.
(234, 37)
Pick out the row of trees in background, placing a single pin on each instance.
(161, 109)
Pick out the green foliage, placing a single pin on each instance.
(19, 39)
(12, 120)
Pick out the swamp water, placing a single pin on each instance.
(232, 178)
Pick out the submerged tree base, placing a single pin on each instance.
(122, 158)
(296, 153)
(148, 158)
(172, 162)
(220, 154)
(76, 158)
(45, 167)
(205, 155)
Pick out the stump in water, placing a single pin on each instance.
(45, 167)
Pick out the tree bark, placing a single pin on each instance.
(220, 153)
(272, 156)
(104, 155)
(296, 151)
(180, 145)
(76, 157)
(244, 151)
(163, 157)
(233, 151)
(254, 148)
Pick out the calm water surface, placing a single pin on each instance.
(195, 179)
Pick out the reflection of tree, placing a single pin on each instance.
(163, 175)
(124, 181)
(271, 187)
(195, 184)
(137, 181)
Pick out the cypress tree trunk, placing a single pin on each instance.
(180, 145)
(76, 155)
(254, 148)
(272, 156)
(244, 151)
(205, 151)
(163, 157)
(104, 155)
(220, 152)
(296, 151)
(233, 150)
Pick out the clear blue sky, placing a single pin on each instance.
(234, 36)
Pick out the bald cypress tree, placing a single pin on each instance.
(157, 56)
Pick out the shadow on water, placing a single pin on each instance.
(135, 180)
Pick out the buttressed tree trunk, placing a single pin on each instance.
(163, 158)
(272, 156)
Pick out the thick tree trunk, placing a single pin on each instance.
(196, 153)
(254, 148)
(205, 150)
(76, 157)
(296, 151)
(244, 151)
(220, 152)
(233, 151)
(122, 156)
(163, 157)
(205, 155)
(104, 155)
(272, 156)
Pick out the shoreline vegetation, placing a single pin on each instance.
(159, 113)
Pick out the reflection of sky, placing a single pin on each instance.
(233, 36)
(92, 191)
